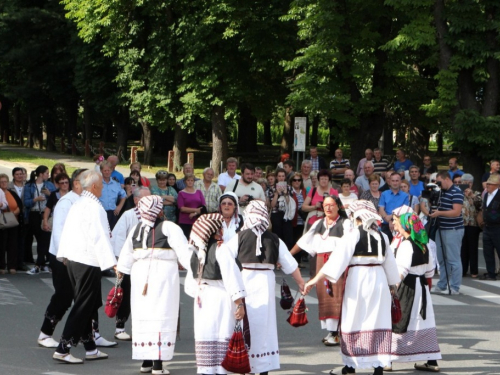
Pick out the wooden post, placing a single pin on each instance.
(191, 158)
(133, 154)
(170, 161)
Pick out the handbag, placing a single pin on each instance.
(114, 299)
(298, 316)
(286, 300)
(8, 220)
(396, 314)
(236, 359)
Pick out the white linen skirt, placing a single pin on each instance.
(214, 323)
(154, 315)
(261, 309)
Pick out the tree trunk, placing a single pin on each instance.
(388, 147)
(419, 139)
(439, 143)
(219, 138)
(268, 138)
(247, 130)
(17, 124)
(314, 133)
(87, 122)
(180, 146)
(287, 137)
(147, 133)
(50, 129)
(71, 120)
(333, 141)
(474, 165)
(122, 123)
(4, 120)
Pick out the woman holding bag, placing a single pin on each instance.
(36, 193)
(9, 202)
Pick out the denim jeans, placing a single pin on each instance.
(449, 242)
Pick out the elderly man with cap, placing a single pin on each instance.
(86, 249)
(218, 294)
(366, 326)
(150, 255)
(259, 251)
(491, 230)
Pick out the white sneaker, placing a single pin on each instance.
(67, 358)
(124, 336)
(159, 372)
(45, 269)
(48, 342)
(96, 356)
(34, 271)
(101, 341)
(332, 341)
(437, 289)
(455, 292)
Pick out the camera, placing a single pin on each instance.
(250, 198)
(432, 193)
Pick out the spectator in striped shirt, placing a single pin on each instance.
(380, 163)
(449, 235)
(338, 166)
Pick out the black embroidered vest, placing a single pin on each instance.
(361, 248)
(161, 241)
(247, 243)
(419, 257)
(491, 214)
(336, 231)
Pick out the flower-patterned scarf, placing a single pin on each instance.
(412, 224)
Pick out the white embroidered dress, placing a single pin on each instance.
(154, 315)
(366, 323)
(260, 282)
(419, 342)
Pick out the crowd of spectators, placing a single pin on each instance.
(293, 197)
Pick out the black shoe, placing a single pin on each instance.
(487, 277)
(348, 370)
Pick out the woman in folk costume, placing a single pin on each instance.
(218, 301)
(259, 251)
(150, 257)
(229, 209)
(366, 322)
(322, 239)
(414, 338)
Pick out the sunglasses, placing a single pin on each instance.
(161, 173)
(297, 180)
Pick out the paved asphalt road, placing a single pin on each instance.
(468, 332)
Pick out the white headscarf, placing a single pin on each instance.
(256, 219)
(149, 207)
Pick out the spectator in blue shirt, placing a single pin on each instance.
(416, 186)
(402, 164)
(115, 175)
(113, 196)
(454, 171)
(389, 201)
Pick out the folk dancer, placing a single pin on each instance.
(366, 307)
(150, 255)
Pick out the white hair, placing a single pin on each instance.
(368, 162)
(467, 177)
(207, 169)
(306, 162)
(142, 189)
(89, 178)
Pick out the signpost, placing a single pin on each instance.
(299, 138)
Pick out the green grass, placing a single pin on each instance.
(20, 157)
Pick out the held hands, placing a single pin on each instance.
(240, 310)
(46, 226)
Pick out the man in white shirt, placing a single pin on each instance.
(230, 174)
(127, 221)
(246, 188)
(86, 250)
(362, 181)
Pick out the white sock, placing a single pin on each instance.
(118, 330)
(43, 336)
(92, 352)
